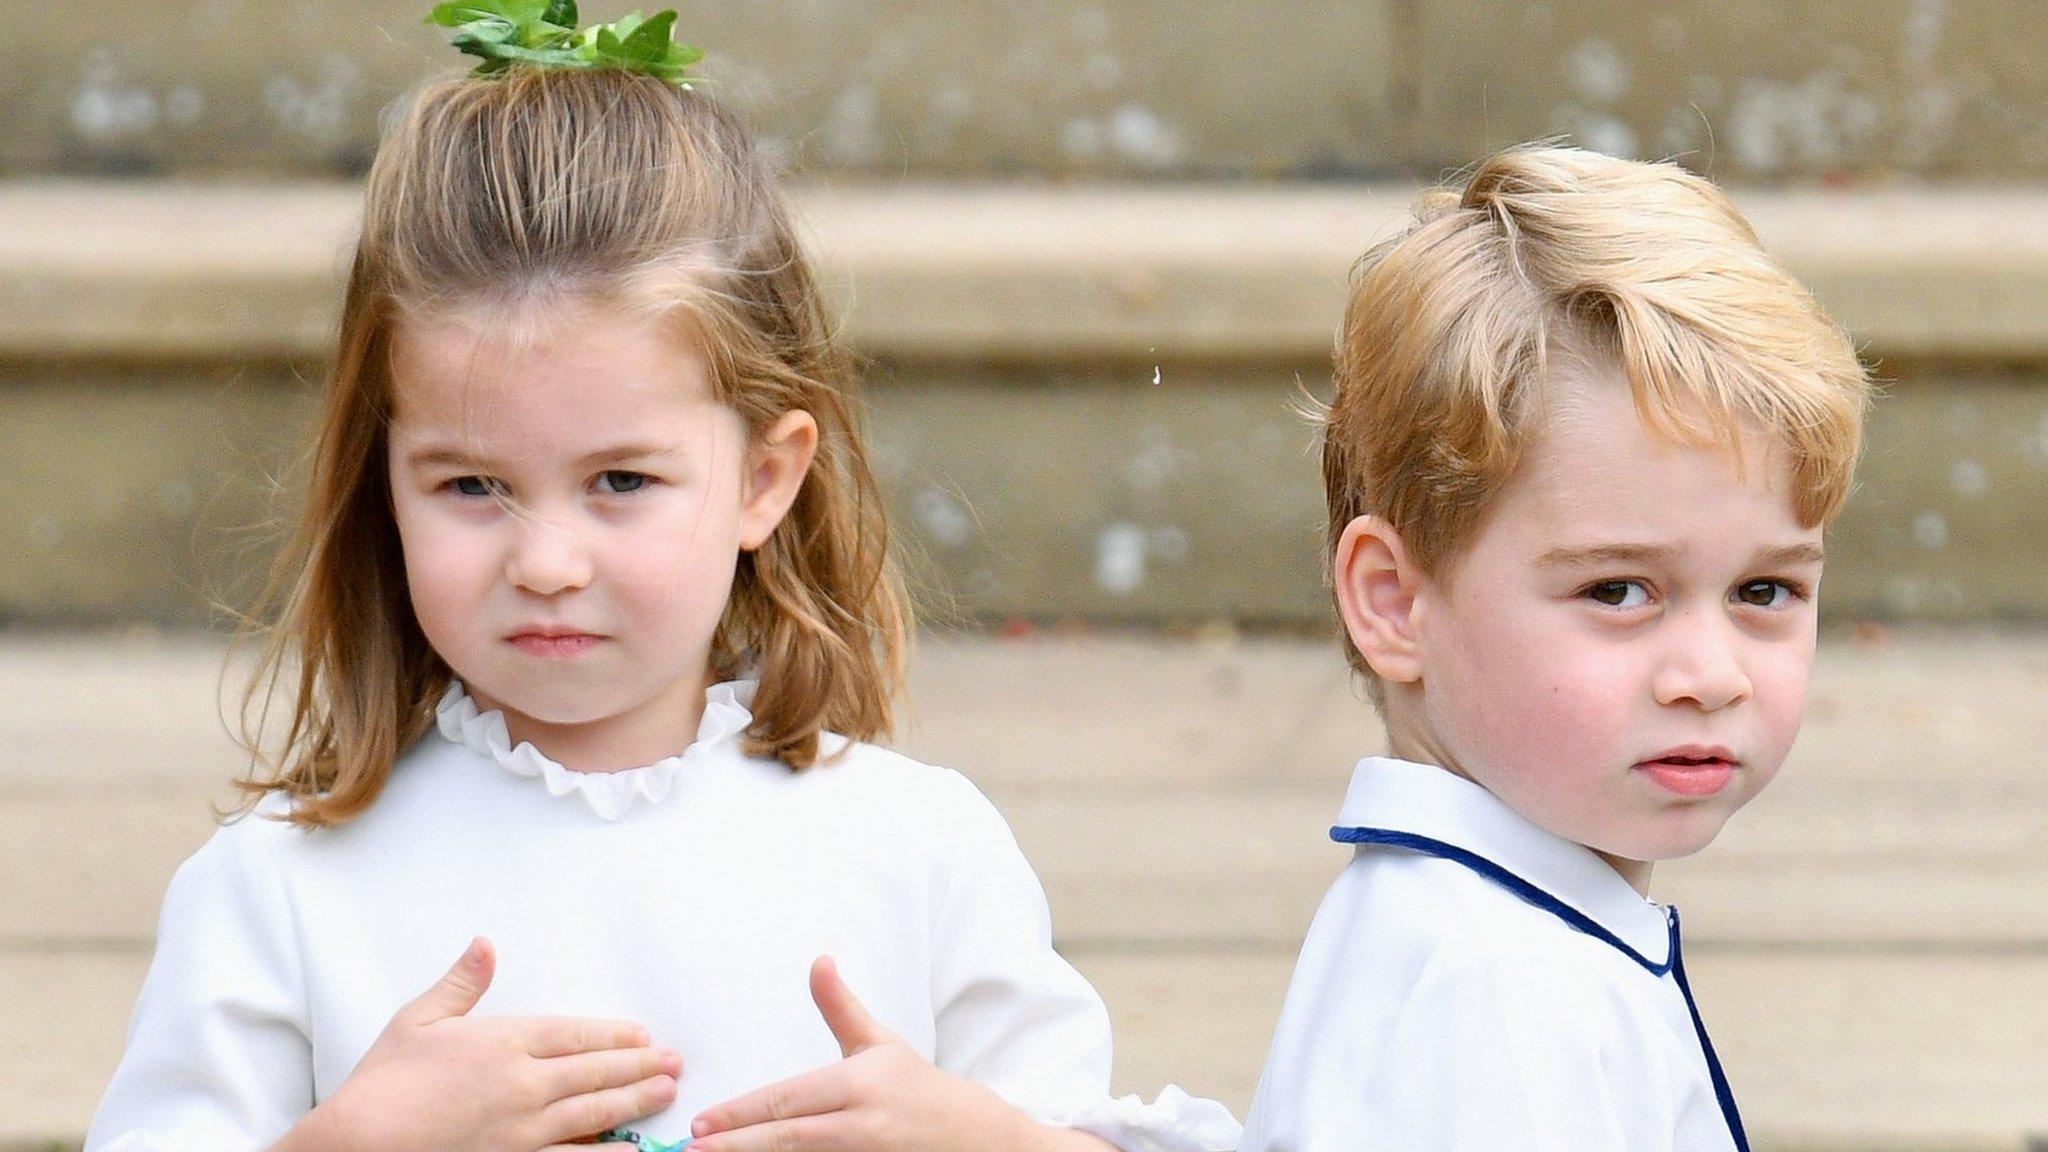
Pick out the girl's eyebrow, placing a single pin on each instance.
(622, 452)
(434, 455)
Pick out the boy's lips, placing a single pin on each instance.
(1693, 770)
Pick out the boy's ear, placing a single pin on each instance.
(1376, 589)
(776, 466)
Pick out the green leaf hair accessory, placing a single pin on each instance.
(543, 32)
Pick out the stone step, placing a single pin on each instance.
(1083, 88)
(1042, 494)
(246, 272)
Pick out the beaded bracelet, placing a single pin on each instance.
(643, 1143)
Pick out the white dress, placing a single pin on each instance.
(690, 895)
(1475, 983)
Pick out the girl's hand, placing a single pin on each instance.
(438, 1080)
(883, 1095)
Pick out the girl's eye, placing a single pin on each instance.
(1620, 593)
(477, 486)
(621, 482)
(1765, 593)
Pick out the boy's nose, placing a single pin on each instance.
(547, 558)
(1701, 667)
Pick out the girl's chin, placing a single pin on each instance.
(556, 715)
(549, 709)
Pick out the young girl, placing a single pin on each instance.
(582, 634)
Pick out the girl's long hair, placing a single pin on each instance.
(634, 193)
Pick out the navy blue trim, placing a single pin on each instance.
(1722, 1092)
(1505, 879)
(1674, 964)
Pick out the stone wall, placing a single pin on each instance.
(1753, 91)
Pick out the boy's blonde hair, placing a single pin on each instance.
(1551, 253)
(631, 192)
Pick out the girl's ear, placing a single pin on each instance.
(1376, 590)
(776, 466)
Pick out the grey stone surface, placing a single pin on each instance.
(1128, 88)
(141, 495)
(1039, 494)
(1839, 89)
(165, 270)
(152, 271)
(1864, 939)
(1100, 495)
(1121, 88)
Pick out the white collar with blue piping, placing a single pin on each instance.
(1430, 809)
(1427, 809)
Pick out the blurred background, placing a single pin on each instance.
(1094, 251)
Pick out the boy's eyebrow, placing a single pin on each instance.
(1801, 553)
(1804, 552)
(1608, 554)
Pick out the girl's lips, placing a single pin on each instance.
(1689, 779)
(535, 644)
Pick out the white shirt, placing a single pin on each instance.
(1473, 983)
(689, 895)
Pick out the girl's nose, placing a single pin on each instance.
(547, 558)
(1703, 666)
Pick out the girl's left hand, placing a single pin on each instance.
(883, 1095)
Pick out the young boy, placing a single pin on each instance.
(1585, 440)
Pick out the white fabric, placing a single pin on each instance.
(690, 895)
(1434, 1010)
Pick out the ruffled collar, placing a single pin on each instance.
(609, 794)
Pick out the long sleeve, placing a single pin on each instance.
(218, 1058)
(1014, 1015)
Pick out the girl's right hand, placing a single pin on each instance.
(438, 1080)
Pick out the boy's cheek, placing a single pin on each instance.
(1781, 703)
(1555, 735)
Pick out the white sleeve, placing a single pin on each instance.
(1015, 1016)
(1488, 1054)
(218, 1056)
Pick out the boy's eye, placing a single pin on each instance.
(622, 481)
(1620, 594)
(1764, 593)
